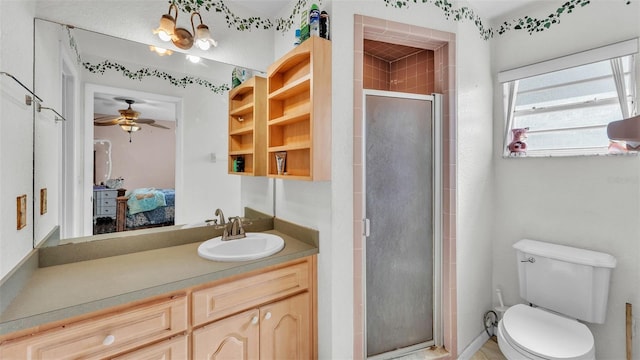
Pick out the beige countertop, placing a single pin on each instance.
(57, 292)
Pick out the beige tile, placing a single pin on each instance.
(489, 351)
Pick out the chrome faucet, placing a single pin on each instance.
(234, 230)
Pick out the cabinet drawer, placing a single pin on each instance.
(106, 211)
(103, 336)
(107, 202)
(172, 349)
(107, 194)
(228, 298)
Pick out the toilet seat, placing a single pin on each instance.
(545, 335)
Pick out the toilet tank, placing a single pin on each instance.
(564, 279)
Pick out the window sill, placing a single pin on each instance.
(566, 155)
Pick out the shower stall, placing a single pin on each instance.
(401, 153)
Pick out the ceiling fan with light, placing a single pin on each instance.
(128, 120)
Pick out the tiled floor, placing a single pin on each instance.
(489, 351)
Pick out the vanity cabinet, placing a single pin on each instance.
(276, 331)
(107, 335)
(299, 112)
(266, 313)
(248, 127)
(269, 315)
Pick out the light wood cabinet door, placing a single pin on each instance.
(233, 338)
(278, 331)
(285, 329)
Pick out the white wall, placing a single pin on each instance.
(474, 182)
(16, 131)
(589, 202)
(144, 159)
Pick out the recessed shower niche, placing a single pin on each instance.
(395, 67)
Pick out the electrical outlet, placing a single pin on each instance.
(213, 157)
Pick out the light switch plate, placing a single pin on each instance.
(43, 201)
(22, 211)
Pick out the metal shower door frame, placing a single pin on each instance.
(437, 190)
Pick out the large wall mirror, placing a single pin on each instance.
(175, 153)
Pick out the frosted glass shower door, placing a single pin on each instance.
(398, 184)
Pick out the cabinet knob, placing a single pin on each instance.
(110, 339)
(254, 320)
(267, 316)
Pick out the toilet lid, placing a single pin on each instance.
(545, 334)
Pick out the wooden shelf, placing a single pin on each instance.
(303, 113)
(242, 130)
(299, 111)
(291, 147)
(242, 110)
(248, 127)
(297, 87)
(241, 152)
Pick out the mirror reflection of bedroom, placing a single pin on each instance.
(134, 157)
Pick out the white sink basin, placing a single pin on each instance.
(254, 246)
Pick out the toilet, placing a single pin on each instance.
(563, 284)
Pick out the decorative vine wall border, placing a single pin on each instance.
(527, 23)
(242, 24)
(142, 73)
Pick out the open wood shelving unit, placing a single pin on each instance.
(299, 112)
(248, 127)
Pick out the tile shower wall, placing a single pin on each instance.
(412, 74)
(376, 73)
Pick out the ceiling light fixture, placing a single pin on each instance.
(167, 24)
(181, 37)
(130, 127)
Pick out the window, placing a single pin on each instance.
(565, 104)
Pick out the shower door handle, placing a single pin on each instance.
(366, 224)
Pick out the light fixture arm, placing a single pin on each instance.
(175, 10)
(193, 28)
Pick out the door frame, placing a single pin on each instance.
(436, 144)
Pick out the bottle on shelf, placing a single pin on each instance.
(324, 25)
(304, 25)
(314, 20)
(297, 42)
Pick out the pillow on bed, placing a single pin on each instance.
(145, 199)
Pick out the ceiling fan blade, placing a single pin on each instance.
(145, 121)
(102, 117)
(159, 126)
(106, 123)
